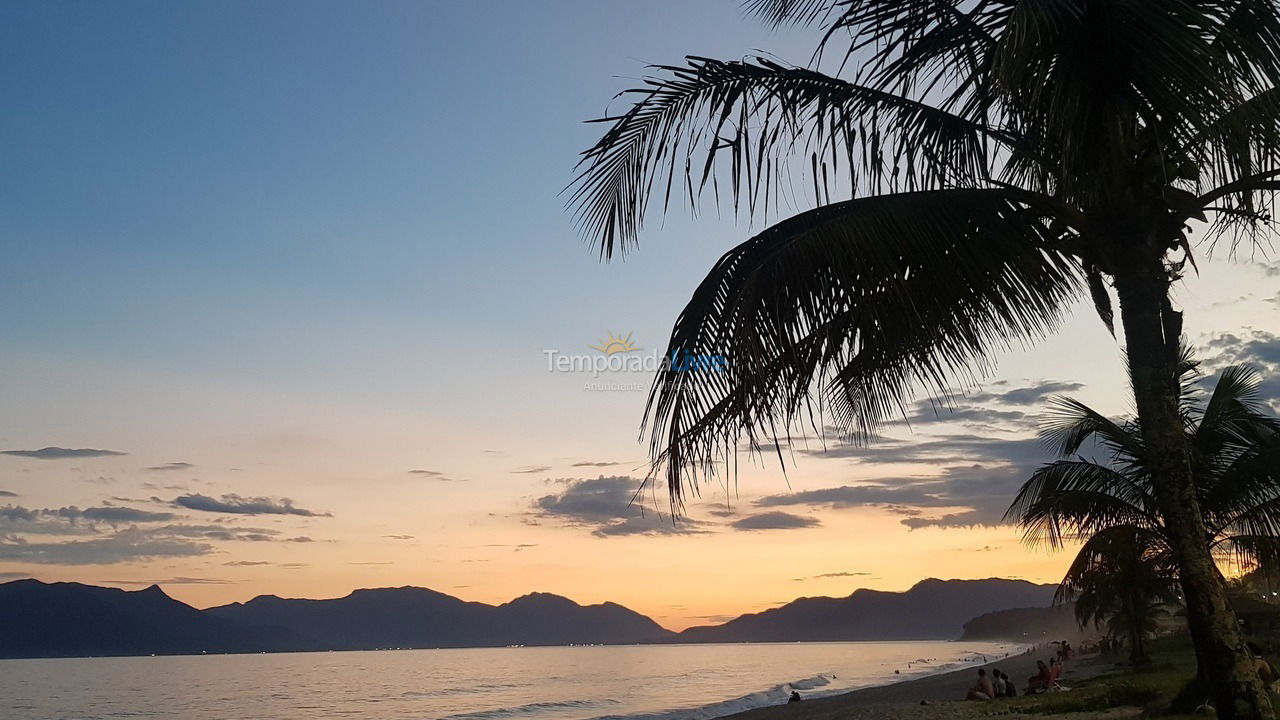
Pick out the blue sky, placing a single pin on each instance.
(291, 178)
(305, 248)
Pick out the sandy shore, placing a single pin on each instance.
(944, 694)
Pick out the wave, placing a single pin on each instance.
(779, 694)
(449, 691)
(776, 695)
(530, 709)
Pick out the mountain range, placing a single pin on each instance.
(70, 619)
(931, 610)
(1032, 624)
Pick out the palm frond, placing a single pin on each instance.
(1069, 499)
(795, 12)
(1101, 297)
(844, 310)
(1114, 562)
(1068, 424)
(1240, 142)
(757, 118)
(1234, 412)
(1244, 497)
(1254, 552)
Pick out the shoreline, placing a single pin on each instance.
(937, 695)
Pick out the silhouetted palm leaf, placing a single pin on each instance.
(1073, 104)
(1236, 458)
(1074, 499)
(844, 310)
(759, 117)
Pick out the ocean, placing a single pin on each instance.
(637, 682)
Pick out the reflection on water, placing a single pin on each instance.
(691, 682)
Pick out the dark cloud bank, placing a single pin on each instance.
(237, 505)
(59, 453)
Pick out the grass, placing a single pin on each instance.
(1153, 688)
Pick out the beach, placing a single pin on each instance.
(944, 694)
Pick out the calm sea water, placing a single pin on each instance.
(652, 682)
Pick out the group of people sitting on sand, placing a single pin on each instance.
(990, 687)
(998, 685)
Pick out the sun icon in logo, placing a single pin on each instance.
(611, 344)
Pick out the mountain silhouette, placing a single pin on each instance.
(70, 619)
(931, 610)
(1033, 624)
(418, 617)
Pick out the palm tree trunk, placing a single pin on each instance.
(1134, 623)
(1138, 655)
(1152, 333)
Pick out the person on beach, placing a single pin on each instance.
(1041, 680)
(1010, 689)
(998, 683)
(983, 690)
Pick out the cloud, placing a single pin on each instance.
(599, 463)
(399, 537)
(1258, 348)
(825, 576)
(966, 519)
(999, 407)
(6, 493)
(531, 470)
(86, 539)
(71, 520)
(167, 467)
(179, 580)
(435, 475)
(927, 412)
(718, 619)
(112, 515)
(1027, 395)
(976, 475)
(127, 546)
(246, 563)
(299, 539)
(238, 505)
(1269, 269)
(173, 487)
(222, 533)
(941, 450)
(59, 453)
(775, 520)
(606, 504)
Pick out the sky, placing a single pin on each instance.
(280, 285)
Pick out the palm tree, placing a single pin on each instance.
(1002, 158)
(1120, 579)
(1125, 567)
